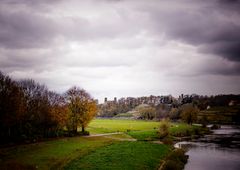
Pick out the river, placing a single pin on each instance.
(217, 151)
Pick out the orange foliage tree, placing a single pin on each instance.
(82, 108)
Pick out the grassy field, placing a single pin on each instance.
(140, 130)
(73, 152)
(95, 152)
(123, 155)
(116, 125)
(51, 154)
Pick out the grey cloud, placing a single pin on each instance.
(122, 45)
(207, 24)
(36, 60)
(32, 28)
(225, 68)
(25, 30)
(229, 50)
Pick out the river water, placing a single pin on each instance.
(218, 151)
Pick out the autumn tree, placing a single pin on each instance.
(58, 113)
(46, 111)
(189, 113)
(12, 108)
(82, 108)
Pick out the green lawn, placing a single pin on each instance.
(149, 135)
(123, 155)
(116, 125)
(49, 155)
(98, 152)
(139, 129)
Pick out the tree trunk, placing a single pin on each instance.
(83, 128)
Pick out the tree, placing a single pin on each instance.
(162, 111)
(58, 111)
(12, 108)
(189, 113)
(37, 119)
(82, 108)
(174, 114)
(147, 112)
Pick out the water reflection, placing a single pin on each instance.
(220, 150)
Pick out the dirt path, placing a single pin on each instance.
(104, 134)
(108, 135)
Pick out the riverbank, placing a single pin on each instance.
(131, 139)
(218, 150)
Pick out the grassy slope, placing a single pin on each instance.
(124, 155)
(52, 154)
(57, 153)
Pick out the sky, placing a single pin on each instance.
(123, 47)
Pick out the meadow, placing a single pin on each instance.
(131, 148)
(140, 129)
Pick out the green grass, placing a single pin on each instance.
(149, 135)
(139, 129)
(57, 153)
(52, 154)
(182, 129)
(112, 125)
(120, 136)
(123, 155)
(176, 130)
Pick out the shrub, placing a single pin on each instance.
(164, 128)
(175, 160)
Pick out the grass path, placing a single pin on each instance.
(109, 145)
(120, 136)
(123, 155)
(51, 154)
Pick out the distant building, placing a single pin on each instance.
(135, 101)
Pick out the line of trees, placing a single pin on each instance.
(29, 111)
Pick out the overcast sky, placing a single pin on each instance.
(123, 47)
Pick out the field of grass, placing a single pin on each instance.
(123, 155)
(51, 154)
(102, 152)
(149, 135)
(140, 130)
(116, 125)
(182, 129)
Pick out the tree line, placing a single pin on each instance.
(29, 111)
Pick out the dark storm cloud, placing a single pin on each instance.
(212, 25)
(227, 49)
(229, 69)
(124, 43)
(25, 24)
(25, 30)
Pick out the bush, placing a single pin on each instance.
(167, 141)
(175, 160)
(85, 133)
(164, 129)
(189, 113)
